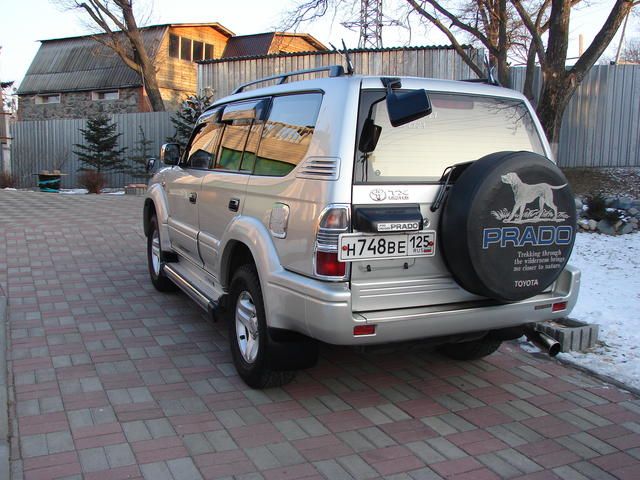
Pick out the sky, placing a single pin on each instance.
(24, 22)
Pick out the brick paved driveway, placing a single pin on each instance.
(112, 380)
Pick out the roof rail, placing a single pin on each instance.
(334, 71)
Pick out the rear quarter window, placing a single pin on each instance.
(287, 133)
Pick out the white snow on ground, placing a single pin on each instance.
(610, 297)
(74, 191)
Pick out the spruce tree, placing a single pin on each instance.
(141, 155)
(100, 153)
(185, 118)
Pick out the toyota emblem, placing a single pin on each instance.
(377, 194)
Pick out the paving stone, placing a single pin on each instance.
(503, 468)
(34, 445)
(446, 448)
(93, 460)
(108, 372)
(59, 442)
(332, 469)
(356, 467)
(156, 471)
(519, 461)
(183, 469)
(119, 455)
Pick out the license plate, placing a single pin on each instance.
(359, 246)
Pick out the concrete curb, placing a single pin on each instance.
(4, 390)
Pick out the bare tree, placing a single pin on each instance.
(120, 32)
(631, 51)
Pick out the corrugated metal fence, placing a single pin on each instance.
(220, 77)
(49, 145)
(601, 125)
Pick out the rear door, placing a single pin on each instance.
(224, 186)
(403, 173)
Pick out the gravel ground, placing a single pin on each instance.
(607, 181)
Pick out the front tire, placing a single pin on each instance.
(154, 259)
(472, 350)
(248, 335)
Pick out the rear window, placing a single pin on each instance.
(460, 129)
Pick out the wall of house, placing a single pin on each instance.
(177, 78)
(80, 104)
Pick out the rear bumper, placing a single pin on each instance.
(323, 311)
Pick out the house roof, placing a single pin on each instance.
(81, 63)
(244, 45)
(260, 43)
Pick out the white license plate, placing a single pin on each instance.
(359, 246)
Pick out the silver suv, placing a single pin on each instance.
(364, 210)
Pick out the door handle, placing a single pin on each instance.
(193, 196)
(234, 204)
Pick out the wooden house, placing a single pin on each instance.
(76, 77)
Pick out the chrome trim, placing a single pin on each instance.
(196, 295)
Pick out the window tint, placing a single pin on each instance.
(461, 128)
(203, 147)
(232, 144)
(174, 46)
(287, 133)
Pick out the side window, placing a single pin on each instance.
(232, 144)
(249, 155)
(203, 145)
(287, 133)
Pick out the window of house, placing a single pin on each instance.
(174, 46)
(185, 48)
(105, 95)
(287, 133)
(48, 98)
(198, 50)
(208, 51)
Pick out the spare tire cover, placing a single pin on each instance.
(508, 225)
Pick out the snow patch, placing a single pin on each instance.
(610, 297)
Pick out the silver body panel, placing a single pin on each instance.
(416, 300)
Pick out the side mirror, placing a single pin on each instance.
(151, 162)
(405, 107)
(170, 153)
(369, 136)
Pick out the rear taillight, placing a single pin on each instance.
(327, 264)
(333, 221)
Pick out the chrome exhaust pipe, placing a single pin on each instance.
(543, 341)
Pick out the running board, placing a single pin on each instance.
(210, 306)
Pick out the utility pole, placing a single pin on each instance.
(370, 24)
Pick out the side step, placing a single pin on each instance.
(210, 306)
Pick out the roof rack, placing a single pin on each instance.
(334, 71)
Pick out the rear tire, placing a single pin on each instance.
(249, 339)
(154, 259)
(472, 350)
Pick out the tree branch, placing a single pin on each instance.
(454, 42)
(619, 11)
(534, 29)
(457, 23)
